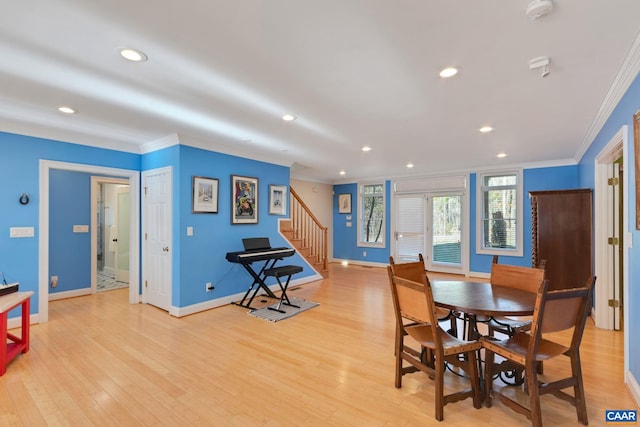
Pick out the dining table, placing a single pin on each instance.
(479, 302)
(482, 298)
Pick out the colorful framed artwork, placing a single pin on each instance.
(244, 200)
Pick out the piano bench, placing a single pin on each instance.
(285, 270)
(278, 272)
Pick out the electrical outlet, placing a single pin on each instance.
(54, 281)
(364, 253)
(208, 287)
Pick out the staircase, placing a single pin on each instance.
(306, 234)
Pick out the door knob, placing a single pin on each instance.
(165, 249)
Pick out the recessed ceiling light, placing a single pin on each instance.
(288, 117)
(133, 55)
(501, 155)
(409, 165)
(343, 173)
(448, 72)
(366, 148)
(66, 110)
(485, 129)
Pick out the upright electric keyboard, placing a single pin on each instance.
(255, 250)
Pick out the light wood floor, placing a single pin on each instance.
(100, 361)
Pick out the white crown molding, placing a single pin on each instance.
(627, 73)
(160, 143)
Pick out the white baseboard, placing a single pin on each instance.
(16, 322)
(632, 385)
(361, 263)
(69, 294)
(479, 275)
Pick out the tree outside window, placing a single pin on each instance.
(371, 215)
(500, 212)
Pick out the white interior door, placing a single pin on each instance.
(157, 238)
(122, 226)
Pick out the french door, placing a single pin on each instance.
(430, 224)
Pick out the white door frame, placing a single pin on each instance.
(617, 146)
(430, 186)
(43, 238)
(95, 180)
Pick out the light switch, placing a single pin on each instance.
(189, 231)
(21, 232)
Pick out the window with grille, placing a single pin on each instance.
(371, 212)
(500, 213)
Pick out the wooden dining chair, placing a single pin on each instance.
(415, 271)
(414, 300)
(554, 311)
(513, 276)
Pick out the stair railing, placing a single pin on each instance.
(308, 229)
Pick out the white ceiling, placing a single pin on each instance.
(355, 72)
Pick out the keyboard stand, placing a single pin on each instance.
(258, 283)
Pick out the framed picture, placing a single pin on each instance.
(344, 203)
(244, 200)
(277, 200)
(205, 195)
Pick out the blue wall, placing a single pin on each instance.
(20, 162)
(196, 259)
(623, 115)
(69, 252)
(345, 238)
(202, 255)
(538, 179)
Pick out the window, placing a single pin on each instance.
(371, 215)
(499, 230)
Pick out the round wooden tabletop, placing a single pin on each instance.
(482, 298)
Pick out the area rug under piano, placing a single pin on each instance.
(275, 316)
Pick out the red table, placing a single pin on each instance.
(10, 344)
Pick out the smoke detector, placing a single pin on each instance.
(537, 8)
(542, 63)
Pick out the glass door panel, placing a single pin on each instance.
(446, 230)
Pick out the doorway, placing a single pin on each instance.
(430, 224)
(133, 178)
(110, 206)
(611, 220)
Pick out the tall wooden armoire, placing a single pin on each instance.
(561, 224)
